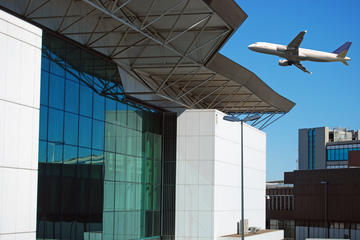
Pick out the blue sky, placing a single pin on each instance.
(328, 97)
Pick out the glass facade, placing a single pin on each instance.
(100, 155)
(311, 148)
(340, 152)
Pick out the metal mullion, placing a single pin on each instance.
(195, 87)
(186, 51)
(177, 20)
(40, 6)
(163, 14)
(64, 16)
(209, 94)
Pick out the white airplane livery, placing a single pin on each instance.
(293, 54)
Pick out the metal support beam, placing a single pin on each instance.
(209, 94)
(195, 87)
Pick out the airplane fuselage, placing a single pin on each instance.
(301, 55)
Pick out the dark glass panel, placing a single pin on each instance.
(42, 151)
(45, 62)
(85, 101)
(57, 67)
(85, 130)
(55, 125)
(43, 123)
(71, 128)
(44, 90)
(56, 92)
(55, 152)
(72, 97)
(84, 156)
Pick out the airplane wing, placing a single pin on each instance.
(295, 43)
(301, 67)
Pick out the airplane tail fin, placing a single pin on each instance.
(342, 50)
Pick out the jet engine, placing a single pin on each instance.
(284, 62)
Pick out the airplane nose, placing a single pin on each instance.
(251, 46)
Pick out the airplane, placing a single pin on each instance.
(293, 54)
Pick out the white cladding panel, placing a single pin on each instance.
(208, 180)
(20, 61)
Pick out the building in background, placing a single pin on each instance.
(316, 204)
(94, 95)
(321, 148)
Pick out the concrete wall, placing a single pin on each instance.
(208, 193)
(321, 138)
(20, 51)
(303, 149)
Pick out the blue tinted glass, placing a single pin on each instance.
(85, 101)
(55, 152)
(71, 129)
(44, 91)
(333, 154)
(57, 68)
(98, 135)
(70, 154)
(43, 123)
(55, 125)
(341, 154)
(56, 92)
(346, 154)
(84, 156)
(72, 97)
(99, 106)
(42, 151)
(85, 132)
(328, 154)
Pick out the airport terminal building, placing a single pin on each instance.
(113, 125)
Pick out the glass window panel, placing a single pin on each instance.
(99, 107)
(110, 131)
(157, 147)
(72, 97)
(43, 123)
(156, 198)
(157, 224)
(97, 157)
(132, 118)
(346, 154)
(148, 197)
(139, 190)
(130, 196)
(120, 196)
(328, 154)
(85, 132)
(109, 189)
(131, 169)
(57, 67)
(121, 117)
(110, 113)
(109, 166)
(98, 135)
(139, 170)
(42, 151)
(121, 140)
(84, 156)
(55, 152)
(70, 154)
(108, 225)
(71, 128)
(55, 125)
(149, 171)
(44, 90)
(120, 170)
(157, 172)
(341, 152)
(120, 222)
(85, 101)
(56, 92)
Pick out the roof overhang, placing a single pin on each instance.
(169, 47)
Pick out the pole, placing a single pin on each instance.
(242, 182)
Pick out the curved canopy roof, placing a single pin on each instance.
(170, 47)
